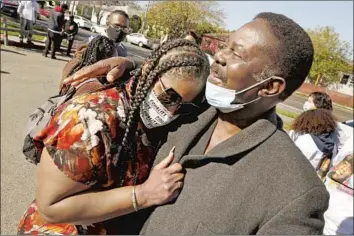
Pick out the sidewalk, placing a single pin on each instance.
(37, 45)
(27, 80)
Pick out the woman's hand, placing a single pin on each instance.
(113, 68)
(163, 185)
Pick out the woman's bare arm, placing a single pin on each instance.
(63, 200)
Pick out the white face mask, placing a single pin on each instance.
(222, 98)
(307, 106)
(153, 113)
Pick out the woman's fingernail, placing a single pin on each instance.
(173, 149)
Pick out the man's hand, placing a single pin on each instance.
(113, 68)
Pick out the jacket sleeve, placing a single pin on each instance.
(75, 30)
(302, 216)
(60, 21)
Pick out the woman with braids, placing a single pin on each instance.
(313, 132)
(97, 150)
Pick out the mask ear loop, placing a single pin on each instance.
(254, 86)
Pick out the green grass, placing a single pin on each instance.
(287, 126)
(16, 34)
(11, 23)
(286, 113)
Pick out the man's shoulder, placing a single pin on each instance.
(122, 50)
(287, 160)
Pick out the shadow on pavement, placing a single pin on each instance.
(18, 53)
(59, 59)
(4, 72)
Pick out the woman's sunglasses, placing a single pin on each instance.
(169, 97)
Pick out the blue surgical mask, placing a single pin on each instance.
(224, 99)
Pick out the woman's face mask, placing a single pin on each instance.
(225, 99)
(153, 113)
(308, 105)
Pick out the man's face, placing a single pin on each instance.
(250, 51)
(117, 20)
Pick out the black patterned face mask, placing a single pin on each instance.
(117, 34)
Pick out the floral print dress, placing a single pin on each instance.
(83, 140)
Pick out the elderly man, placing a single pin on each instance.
(243, 175)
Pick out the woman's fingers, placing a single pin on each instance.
(88, 72)
(113, 68)
(175, 168)
(167, 161)
(114, 74)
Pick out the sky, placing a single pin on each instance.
(309, 14)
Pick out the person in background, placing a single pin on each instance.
(71, 29)
(117, 29)
(55, 29)
(323, 100)
(27, 11)
(339, 179)
(313, 132)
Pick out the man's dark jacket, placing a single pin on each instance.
(56, 20)
(256, 182)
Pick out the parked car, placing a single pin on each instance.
(10, 7)
(82, 22)
(140, 39)
(99, 29)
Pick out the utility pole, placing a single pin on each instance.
(145, 18)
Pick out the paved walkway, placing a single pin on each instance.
(27, 80)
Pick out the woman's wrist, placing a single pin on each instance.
(141, 199)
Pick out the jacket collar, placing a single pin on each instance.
(188, 134)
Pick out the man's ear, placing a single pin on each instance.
(274, 87)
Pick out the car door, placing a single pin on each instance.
(132, 38)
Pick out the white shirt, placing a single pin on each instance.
(308, 147)
(28, 10)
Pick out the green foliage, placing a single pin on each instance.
(332, 55)
(135, 23)
(177, 17)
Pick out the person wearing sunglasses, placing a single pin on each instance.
(97, 150)
(117, 29)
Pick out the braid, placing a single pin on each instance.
(99, 48)
(187, 56)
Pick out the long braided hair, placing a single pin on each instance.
(98, 49)
(176, 58)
